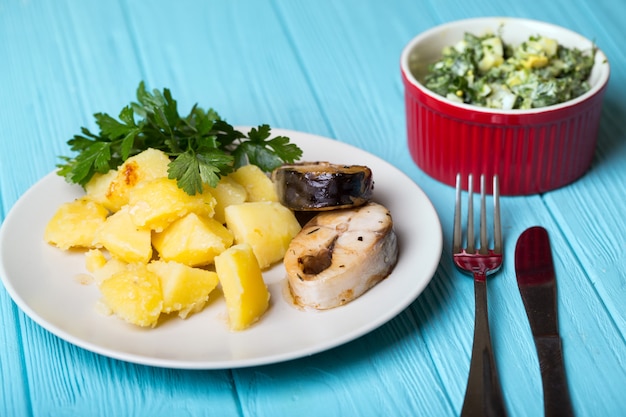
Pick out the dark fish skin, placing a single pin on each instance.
(320, 186)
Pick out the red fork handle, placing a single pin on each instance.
(483, 396)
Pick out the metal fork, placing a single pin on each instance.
(483, 395)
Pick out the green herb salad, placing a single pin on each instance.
(484, 71)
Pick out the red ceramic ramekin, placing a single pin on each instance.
(532, 151)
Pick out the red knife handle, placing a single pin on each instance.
(556, 396)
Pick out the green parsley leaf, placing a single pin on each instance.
(266, 153)
(193, 170)
(202, 146)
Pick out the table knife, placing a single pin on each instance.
(537, 285)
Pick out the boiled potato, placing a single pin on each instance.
(110, 268)
(258, 185)
(123, 239)
(113, 189)
(227, 192)
(134, 214)
(245, 292)
(157, 203)
(74, 224)
(192, 240)
(94, 260)
(134, 294)
(185, 289)
(98, 187)
(267, 226)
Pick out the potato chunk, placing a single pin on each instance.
(94, 260)
(227, 192)
(110, 268)
(123, 239)
(113, 189)
(157, 203)
(267, 226)
(185, 289)
(98, 187)
(192, 240)
(246, 294)
(134, 295)
(257, 184)
(75, 223)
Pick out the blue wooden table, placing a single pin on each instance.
(330, 68)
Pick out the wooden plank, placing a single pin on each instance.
(234, 58)
(68, 380)
(14, 396)
(592, 209)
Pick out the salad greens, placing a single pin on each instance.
(202, 146)
(484, 71)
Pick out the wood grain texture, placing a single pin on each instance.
(329, 68)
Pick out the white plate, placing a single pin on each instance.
(42, 280)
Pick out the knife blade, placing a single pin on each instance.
(536, 281)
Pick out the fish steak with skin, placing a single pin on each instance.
(339, 255)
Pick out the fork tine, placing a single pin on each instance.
(497, 227)
(456, 237)
(484, 242)
(470, 215)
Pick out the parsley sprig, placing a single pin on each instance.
(202, 146)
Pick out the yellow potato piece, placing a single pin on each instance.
(157, 203)
(227, 192)
(129, 214)
(258, 185)
(267, 226)
(123, 239)
(134, 295)
(98, 187)
(192, 240)
(94, 260)
(74, 224)
(185, 289)
(246, 294)
(113, 189)
(110, 268)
